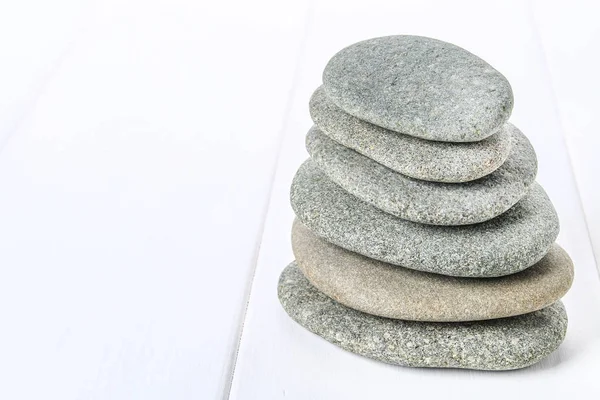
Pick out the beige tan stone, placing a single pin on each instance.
(391, 291)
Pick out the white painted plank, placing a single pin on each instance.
(35, 36)
(133, 197)
(279, 359)
(571, 50)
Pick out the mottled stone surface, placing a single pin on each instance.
(418, 158)
(420, 87)
(504, 245)
(422, 201)
(499, 344)
(391, 291)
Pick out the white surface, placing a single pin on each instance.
(133, 193)
(35, 37)
(139, 175)
(573, 58)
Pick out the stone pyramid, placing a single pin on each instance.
(422, 238)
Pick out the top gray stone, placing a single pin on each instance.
(427, 160)
(420, 87)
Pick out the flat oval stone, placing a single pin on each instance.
(504, 245)
(422, 201)
(387, 290)
(498, 344)
(421, 87)
(418, 158)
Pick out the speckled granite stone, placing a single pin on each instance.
(418, 158)
(504, 245)
(391, 291)
(422, 201)
(499, 344)
(420, 87)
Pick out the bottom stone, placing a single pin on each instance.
(500, 344)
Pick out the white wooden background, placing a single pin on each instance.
(147, 149)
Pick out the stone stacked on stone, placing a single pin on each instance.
(421, 237)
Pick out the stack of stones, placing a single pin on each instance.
(421, 237)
